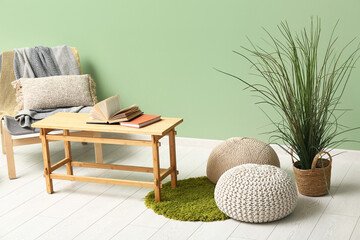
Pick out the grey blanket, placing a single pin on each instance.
(43, 62)
(28, 117)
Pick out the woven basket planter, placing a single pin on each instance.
(315, 181)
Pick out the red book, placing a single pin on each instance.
(141, 121)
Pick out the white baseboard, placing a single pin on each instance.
(193, 142)
(211, 143)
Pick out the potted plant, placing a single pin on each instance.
(304, 88)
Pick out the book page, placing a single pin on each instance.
(96, 114)
(112, 105)
(123, 111)
(130, 117)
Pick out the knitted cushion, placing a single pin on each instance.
(236, 151)
(256, 193)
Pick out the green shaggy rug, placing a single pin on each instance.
(192, 200)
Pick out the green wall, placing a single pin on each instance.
(161, 54)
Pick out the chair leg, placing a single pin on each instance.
(98, 149)
(2, 139)
(9, 153)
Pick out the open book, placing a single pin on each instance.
(110, 111)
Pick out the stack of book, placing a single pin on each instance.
(109, 111)
(142, 121)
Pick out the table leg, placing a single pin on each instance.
(67, 148)
(47, 164)
(98, 149)
(156, 167)
(173, 158)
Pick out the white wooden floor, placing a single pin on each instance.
(97, 211)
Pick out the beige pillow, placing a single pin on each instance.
(54, 92)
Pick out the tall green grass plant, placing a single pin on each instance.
(303, 88)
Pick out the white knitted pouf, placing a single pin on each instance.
(236, 151)
(256, 193)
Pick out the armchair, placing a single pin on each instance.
(10, 127)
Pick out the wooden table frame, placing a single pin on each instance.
(67, 137)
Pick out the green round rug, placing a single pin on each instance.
(191, 200)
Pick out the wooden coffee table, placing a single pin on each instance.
(77, 122)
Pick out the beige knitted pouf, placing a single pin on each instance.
(256, 193)
(237, 151)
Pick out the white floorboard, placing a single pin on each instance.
(215, 230)
(176, 230)
(150, 219)
(132, 232)
(301, 222)
(115, 220)
(87, 211)
(356, 233)
(333, 227)
(342, 203)
(32, 229)
(253, 231)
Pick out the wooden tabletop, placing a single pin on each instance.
(77, 121)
